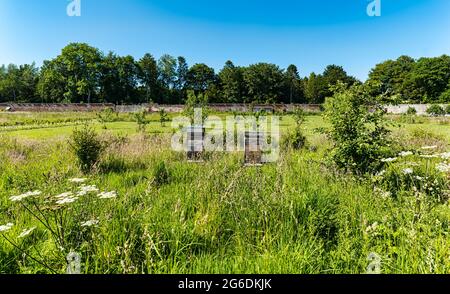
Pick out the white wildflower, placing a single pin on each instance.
(429, 147)
(107, 195)
(389, 159)
(429, 156)
(67, 200)
(408, 171)
(90, 223)
(25, 195)
(26, 232)
(77, 180)
(445, 155)
(405, 153)
(381, 173)
(418, 178)
(64, 195)
(6, 227)
(84, 190)
(443, 167)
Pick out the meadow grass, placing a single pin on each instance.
(298, 215)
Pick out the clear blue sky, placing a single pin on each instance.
(310, 34)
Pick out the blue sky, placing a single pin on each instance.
(310, 34)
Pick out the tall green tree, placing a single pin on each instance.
(76, 70)
(200, 77)
(148, 77)
(264, 83)
(390, 77)
(231, 81)
(294, 87)
(428, 79)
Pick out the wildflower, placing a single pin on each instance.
(408, 171)
(443, 167)
(6, 227)
(90, 223)
(405, 153)
(25, 195)
(26, 232)
(64, 195)
(418, 178)
(77, 180)
(445, 155)
(107, 195)
(67, 200)
(381, 173)
(429, 156)
(429, 147)
(389, 159)
(372, 228)
(84, 190)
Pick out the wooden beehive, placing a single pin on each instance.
(195, 135)
(253, 152)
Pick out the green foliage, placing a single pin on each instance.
(87, 146)
(411, 111)
(163, 117)
(141, 119)
(161, 174)
(107, 115)
(447, 109)
(199, 101)
(264, 83)
(436, 110)
(358, 129)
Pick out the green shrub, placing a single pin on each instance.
(141, 120)
(411, 111)
(358, 129)
(447, 109)
(87, 147)
(161, 174)
(436, 110)
(294, 140)
(163, 117)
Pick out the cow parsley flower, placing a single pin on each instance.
(77, 180)
(405, 153)
(84, 190)
(6, 227)
(408, 171)
(26, 232)
(107, 195)
(443, 167)
(67, 200)
(429, 147)
(90, 223)
(21, 197)
(389, 159)
(64, 195)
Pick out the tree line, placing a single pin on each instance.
(84, 74)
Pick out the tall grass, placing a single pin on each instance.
(295, 216)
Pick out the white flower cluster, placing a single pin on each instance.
(90, 223)
(6, 227)
(21, 197)
(107, 195)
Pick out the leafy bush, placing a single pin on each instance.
(358, 129)
(411, 111)
(107, 115)
(141, 120)
(447, 109)
(160, 174)
(163, 117)
(436, 110)
(87, 147)
(295, 140)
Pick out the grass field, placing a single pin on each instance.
(299, 215)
